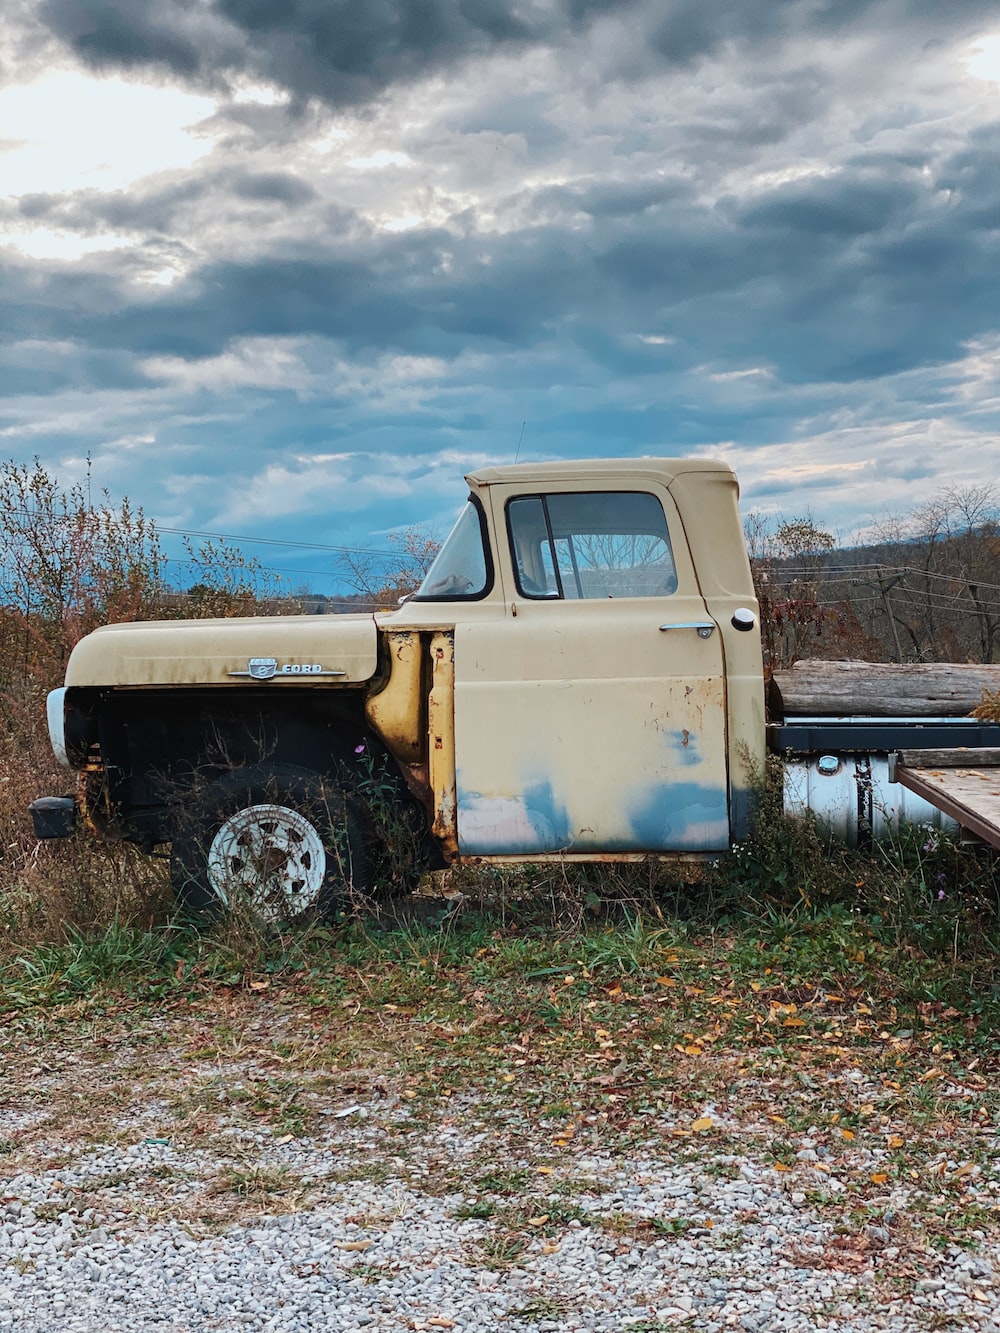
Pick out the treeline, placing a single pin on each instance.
(924, 588)
(70, 562)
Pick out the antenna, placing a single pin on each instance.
(519, 439)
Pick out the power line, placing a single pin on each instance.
(255, 541)
(276, 541)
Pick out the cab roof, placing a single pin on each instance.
(585, 469)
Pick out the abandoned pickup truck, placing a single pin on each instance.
(578, 677)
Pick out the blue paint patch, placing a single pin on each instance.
(683, 747)
(527, 823)
(542, 804)
(679, 817)
(670, 817)
(741, 805)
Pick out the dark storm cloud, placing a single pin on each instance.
(381, 294)
(347, 52)
(855, 274)
(155, 209)
(340, 50)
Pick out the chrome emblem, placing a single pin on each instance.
(266, 668)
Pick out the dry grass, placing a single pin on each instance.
(78, 882)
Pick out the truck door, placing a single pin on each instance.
(592, 717)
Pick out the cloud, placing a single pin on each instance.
(367, 242)
(341, 51)
(347, 53)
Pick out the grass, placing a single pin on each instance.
(696, 1048)
(254, 1181)
(844, 1008)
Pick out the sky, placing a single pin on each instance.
(289, 268)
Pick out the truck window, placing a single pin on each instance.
(461, 570)
(594, 544)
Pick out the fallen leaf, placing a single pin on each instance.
(354, 1244)
(543, 1170)
(847, 1134)
(538, 1221)
(702, 1123)
(793, 1023)
(782, 1166)
(879, 1177)
(666, 981)
(966, 1169)
(439, 1321)
(895, 1141)
(550, 1249)
(260, 985)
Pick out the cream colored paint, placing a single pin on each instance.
(584, 725)
(206, 652)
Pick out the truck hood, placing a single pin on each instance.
(315, 650)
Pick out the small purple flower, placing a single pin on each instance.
(941, 895)
(359, 749)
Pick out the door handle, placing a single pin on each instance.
(704, 627)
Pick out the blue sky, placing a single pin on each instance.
(289, 267)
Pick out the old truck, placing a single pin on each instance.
(579, 677)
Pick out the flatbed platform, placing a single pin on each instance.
(964, 784)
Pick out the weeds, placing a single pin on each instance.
(256, 1181)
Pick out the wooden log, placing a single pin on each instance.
(880, 689)
(985, 756)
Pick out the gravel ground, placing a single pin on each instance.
(138, 1191)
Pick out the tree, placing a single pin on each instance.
(382, 579)
(67, 565)
(934, 579)
(788, 561)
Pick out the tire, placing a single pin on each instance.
(272, 840)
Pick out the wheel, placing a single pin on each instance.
(273, 840)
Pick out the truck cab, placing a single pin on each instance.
(579, 676)
(604, 702)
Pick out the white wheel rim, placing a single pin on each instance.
(269, 857)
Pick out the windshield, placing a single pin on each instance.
(460, 569)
